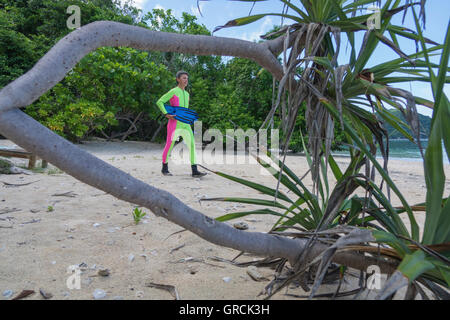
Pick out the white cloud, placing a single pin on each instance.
(176, 13)
(136, 3)
(263, 29)
(140, 3)
(158, 6)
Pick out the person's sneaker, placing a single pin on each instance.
(196, 173)
(165, 169)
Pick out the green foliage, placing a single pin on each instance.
(13, 65)
(104, 91)
(73, 121)
(425, 125)
(242, 99)
(33, 27)
(160, 20)
(344, 98)
(106, 84)
(5, 166)
(112, 87)
(124, 81)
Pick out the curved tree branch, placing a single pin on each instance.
(29, 134)
(36, 138)
(52, 68)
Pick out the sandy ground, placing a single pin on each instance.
(45, 234)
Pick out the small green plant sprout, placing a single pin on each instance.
(138, 215)
(50, 209)
(54, 171)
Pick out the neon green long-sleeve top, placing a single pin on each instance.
(177, 97)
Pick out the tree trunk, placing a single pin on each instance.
(52, 68)
(35, 138)
(161, 125)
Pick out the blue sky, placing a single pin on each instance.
(218, 12)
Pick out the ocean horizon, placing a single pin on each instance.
(401, 149)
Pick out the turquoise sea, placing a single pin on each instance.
(402, 149)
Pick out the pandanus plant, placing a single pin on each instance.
(357, 97)
(332, 93)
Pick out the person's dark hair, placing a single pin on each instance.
(180, 73)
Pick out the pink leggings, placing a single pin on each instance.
(176, 129)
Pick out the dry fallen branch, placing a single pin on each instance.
(69, 194)
(31, 221)
(7, 210)
(9, 185)
(173, 291)
(177, 248)
(23, 294)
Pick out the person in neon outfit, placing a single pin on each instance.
(178, 97)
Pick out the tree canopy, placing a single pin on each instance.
(112, 92)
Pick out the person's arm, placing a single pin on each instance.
(160, 103)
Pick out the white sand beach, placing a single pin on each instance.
(57, 221)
